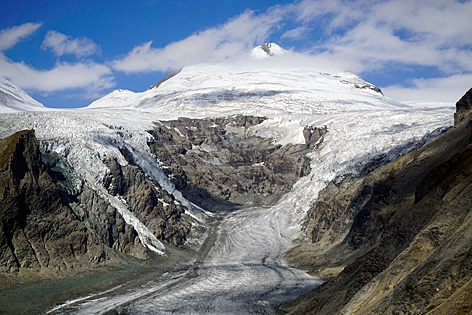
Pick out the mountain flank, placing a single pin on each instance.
(396, 241)
(38, 232)
(54, 224)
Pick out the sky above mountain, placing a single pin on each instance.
(68, 53)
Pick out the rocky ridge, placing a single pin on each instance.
(398, 240)
(153, 206)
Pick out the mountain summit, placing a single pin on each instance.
(267, 50)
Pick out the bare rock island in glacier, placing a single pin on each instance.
(180, 198)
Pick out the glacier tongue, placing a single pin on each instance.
(362, 124)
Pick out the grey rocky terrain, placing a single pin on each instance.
(222, 163)
(55, 224)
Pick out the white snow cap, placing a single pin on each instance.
(267, 50)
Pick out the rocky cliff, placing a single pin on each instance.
(222, 163)
(153, 206)
(398, 240)
(38, 231)
(52, 223)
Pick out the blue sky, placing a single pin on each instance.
(68, 53)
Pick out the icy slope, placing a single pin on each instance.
(292, 97)
(13, 99)
(362, 125)
(116, 99)
(225, 89)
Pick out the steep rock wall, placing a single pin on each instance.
(38, 232)
(218, 164)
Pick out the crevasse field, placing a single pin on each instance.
(243, 271)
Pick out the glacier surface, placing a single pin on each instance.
(243, 272)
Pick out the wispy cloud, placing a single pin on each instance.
(363, 35)
(368, 37)
(62, 44)
(63, 76)
(235, 37)
(298, 33)
(11, 36)
(87, 75)
(427, 33)
(447, 90)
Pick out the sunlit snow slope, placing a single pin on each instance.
(13, 99)
(243, 271)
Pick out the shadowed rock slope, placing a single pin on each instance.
(399, 240)
(38, 232)
(53, 224)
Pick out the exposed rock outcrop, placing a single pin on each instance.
(406, 249)
(219, 164)
(153, 206)
(53, 224)
(463, 107)
(105, 223)
(38, 232)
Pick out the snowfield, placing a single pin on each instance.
(243, 272)
(13, 99)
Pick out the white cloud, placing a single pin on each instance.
(360, 35)
(428, 33)
(367, 37)
(446, 90)
(62, 44)
(296, 33)
(87, 75)
(11, 36)
(235, 37)
(63, 76)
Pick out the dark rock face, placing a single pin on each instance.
(400, 237)
(51, 223)
(38, 232)
(217, 164)
(169, 76)
(105, 223)
(153, 206)
(463, 107)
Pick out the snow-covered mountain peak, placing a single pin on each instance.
(13, 99)
(119, 98)
(267, 50)
(260, 87)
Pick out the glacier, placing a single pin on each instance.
(244, 271)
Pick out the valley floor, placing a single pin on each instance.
(242, 273)
(40, 296)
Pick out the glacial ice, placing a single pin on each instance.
(243, 272)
